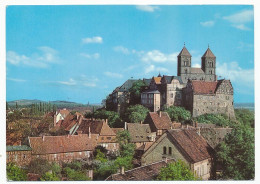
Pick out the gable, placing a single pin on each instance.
(155, 152)
(224, 86)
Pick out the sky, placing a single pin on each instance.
(82, 53)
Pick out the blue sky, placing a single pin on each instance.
(81, 53)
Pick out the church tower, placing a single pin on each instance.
(208, 65)
(184, 63)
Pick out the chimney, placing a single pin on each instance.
(122, 170)
(125, 125)
(141, 122)
(196, 124)
(106, 121)
(43, 138)
(199, 131)
(187, 126)
(165, 159)
(160, 113)
(89, 133)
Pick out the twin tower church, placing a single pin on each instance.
(196, 89)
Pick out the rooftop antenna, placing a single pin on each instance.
(208, 45)
(184, 44)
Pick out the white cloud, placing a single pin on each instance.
(239, 20)
(147, 8)
(113, 75)
(241, 27)
(121, 49)
(245, 46)
(236, 74)
(40, 59)
(153, 68)
(81, 80)
(16, 80)
(96, 39)
(207, 23)
(90, 56)
(70, 82)
(158, 56)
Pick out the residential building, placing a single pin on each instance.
(63, 148)
(60, 115)
(20, 155)
(141, 135)
(185, 145)
(159, 122)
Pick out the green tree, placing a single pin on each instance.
(135, 92)
(126, 149)
(48, 176)
(105, 169)
(7, 106)
(245, 116)
(217, 119)
(15, 173)
(236, 154)
(100, 156)
(39, 166)
(136, 113)
(178, 114)
(74, 175)
(113, 117)
(176, 171)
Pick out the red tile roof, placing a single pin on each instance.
(64, 112)
(62, 144)
(145, 173)
(204, 87)
(163, 122)
(96, 127)
(193, 146)
(117, 130)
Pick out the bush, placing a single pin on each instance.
(178, 114)
(39, 166)
(14, 173)
(48, 176)
(74, 175)
(217, 119)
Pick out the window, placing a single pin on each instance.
(108, 138)
(170, 150)
(164, 150)
(171, 95)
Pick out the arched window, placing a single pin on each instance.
(186, 71)
(164, 150)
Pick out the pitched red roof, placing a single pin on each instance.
(62, 144)
(145, 173)
(117, 130)
(163, 122)
(96, 127)
(193, 146)
(208, 53)
(64, 112)
(69, 121)
(184, 52)
(204, 87)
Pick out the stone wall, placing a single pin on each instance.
(21, 158)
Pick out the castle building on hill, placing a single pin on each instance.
(196, 89)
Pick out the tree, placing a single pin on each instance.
(39, 166)
(217, 119)
(113, 117)
(74, 175)
(136, 113)
(178, 114)
(236, 154)
(49, 176)
(126, 149)
(245, 116)
(176, 171)
(7, 106)
(15, 173)
(135, 92)
(100, 156)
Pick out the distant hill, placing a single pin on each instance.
(250, 106)
(59, 104)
